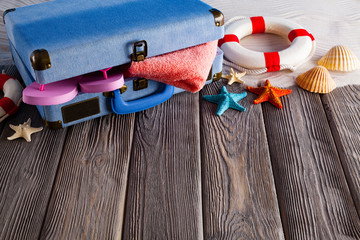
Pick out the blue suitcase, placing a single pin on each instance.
(61, 39)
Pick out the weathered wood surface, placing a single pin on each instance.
(239, 196)
(314, 198)
(88, 199)
(342, 107)
(164, 189)
(27, 173)
(178, 171)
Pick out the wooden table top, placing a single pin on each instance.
(178, 171)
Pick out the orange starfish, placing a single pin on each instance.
(269, 93)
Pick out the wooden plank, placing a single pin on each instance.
(27, 174)
(164, 193)
(314, 197)
(89, 193)
(239, 196)
(343, 112)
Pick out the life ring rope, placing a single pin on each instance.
(271, 58)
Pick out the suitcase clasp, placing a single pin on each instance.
(139, 51)
(140, 83)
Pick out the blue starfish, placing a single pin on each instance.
(226, 100)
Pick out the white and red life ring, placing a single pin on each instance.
(12, 89)
(301, 49)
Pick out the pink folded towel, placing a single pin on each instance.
(187, 68)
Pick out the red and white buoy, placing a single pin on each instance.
(302, 45)
(12, 89)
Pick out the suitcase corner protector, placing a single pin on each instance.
(53, 125)
(40, 60)
(218, 16)
(6, 12)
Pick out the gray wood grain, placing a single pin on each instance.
(164, 193)
(342, 107)
(27, 174)
(239, 196)
(314, 198)
(89, 193)
(72, 183)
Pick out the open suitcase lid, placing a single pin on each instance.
(66, 38)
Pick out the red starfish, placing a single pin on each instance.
(269, 93)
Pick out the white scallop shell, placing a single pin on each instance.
(340, 58)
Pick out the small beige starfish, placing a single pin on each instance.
(24, 130)
(234, 77)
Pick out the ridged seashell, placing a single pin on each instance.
(340, 58)
(317, 80)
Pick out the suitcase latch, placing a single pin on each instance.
(140, 83)
(139, 51)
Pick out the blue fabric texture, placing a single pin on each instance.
(53, 113)
(83, 36)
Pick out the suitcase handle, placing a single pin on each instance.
(119, 106)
